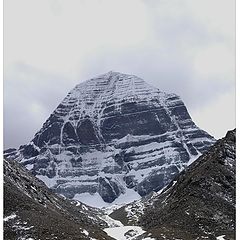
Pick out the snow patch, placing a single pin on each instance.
(29, 166)
(10, 217)
(85, 232)
(125, 232)
(193, 158)
(221, 237)
(50, 182)
(95, 200)
(129, 196)
(111, 222)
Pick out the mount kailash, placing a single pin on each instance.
(113, 139)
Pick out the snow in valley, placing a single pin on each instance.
(126, 232)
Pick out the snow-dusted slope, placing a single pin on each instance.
(33, 211)
(114, 135)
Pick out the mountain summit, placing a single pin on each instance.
(113, 139)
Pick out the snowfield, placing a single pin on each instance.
(126, 233)
(95, 200)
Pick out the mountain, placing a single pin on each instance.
(197, 204)
(113, 139)
(32, 211)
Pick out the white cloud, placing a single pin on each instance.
(219, 116)
(186, 47)
(59, 43)
(215, 61)
(217, 15)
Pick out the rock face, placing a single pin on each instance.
(32, 211)
(113, 135)
(197, 204)
(202, 201)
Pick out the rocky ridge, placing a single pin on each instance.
(197, 204)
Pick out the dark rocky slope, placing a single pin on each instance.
(32, 211)
(198, 204)
(113, 135)
(201, 204)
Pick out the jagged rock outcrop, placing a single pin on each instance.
(113, 135)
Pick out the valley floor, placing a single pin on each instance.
(119, 231)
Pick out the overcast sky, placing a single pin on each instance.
(181, 46)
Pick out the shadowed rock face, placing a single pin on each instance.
(200, 203)
(112, 133)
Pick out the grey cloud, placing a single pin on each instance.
(168, 72)
(30, 95)
(166, 57)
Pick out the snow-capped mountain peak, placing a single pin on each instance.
(114, 137)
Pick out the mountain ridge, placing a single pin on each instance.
(198, 204)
